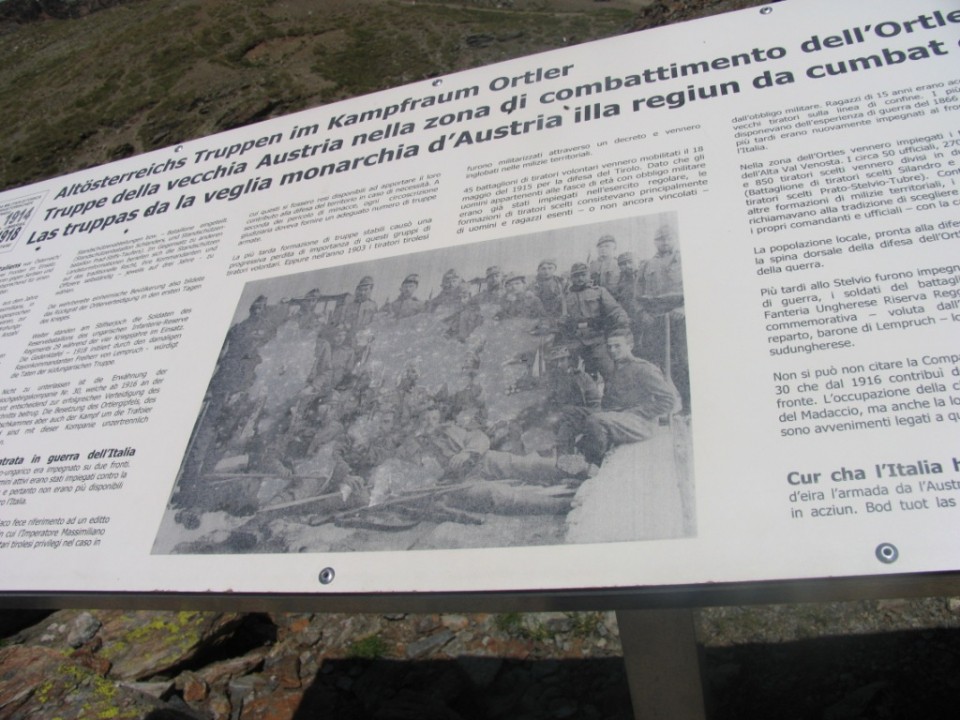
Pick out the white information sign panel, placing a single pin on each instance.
(440, 338)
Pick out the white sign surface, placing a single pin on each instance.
(441, 339)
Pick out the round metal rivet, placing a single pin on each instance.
(327, 575)
(887, 553)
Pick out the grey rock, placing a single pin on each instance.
(610, 624)
(159, 689)
(426, 623)
(454, 622)
(431, 643)
(559, 625)
(244, 687)
(83, 629)
(38, 682)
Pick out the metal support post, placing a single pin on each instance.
(663, 665)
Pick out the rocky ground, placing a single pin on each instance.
(877, 659)
(88, 81)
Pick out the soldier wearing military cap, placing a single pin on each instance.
(258, 305)
(661, 320)
(517, 301)
(493, 289)
(626, 290)
(604, 270)
(634, 397)
(307, 317)
(240, 354)
(592, 314)
(407, 304)
(661, 274)
(356, 310)
(451, 291)
(549, 288)
(567, 382)
(627, 293)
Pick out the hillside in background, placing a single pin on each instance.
(90, 81)
(84, 82)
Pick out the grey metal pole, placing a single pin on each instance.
(663, 665)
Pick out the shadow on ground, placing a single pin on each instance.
(913, 674)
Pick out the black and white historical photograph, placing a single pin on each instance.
(530, 390)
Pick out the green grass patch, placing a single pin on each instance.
(585, 624)
(368, 648)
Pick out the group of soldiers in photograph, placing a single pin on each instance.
(611, 353)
